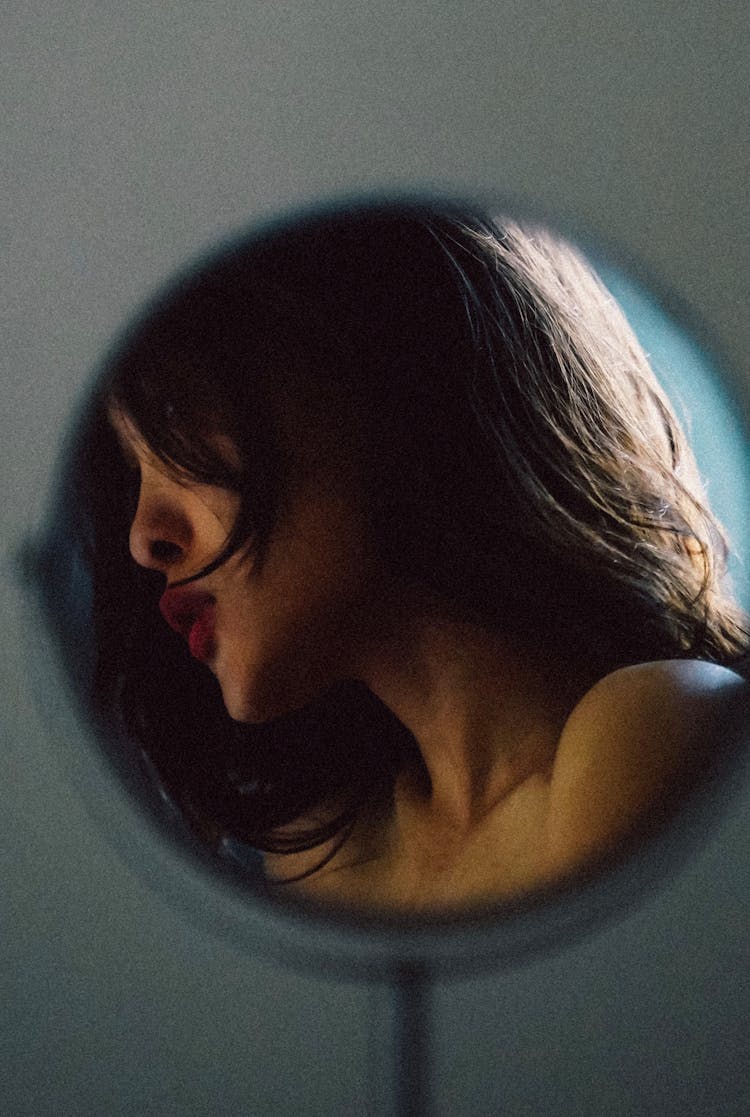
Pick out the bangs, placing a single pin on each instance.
(190, 444)
(201, 438)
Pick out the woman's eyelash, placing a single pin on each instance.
(132, 470)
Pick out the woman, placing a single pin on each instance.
(403, 479)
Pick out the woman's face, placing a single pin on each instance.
(274, 637)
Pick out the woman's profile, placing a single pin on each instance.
(402, 572)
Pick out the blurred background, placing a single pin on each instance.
(136, 136)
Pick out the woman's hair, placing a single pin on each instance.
(519, 461)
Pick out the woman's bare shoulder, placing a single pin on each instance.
(635, 739)
(665, 688)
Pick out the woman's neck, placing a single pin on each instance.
(486, 715)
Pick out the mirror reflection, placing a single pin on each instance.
(398, 565)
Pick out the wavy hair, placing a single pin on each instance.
(520, 461)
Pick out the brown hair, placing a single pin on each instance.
(521, 461)
(603, 467)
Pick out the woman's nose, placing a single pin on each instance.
(160, 533)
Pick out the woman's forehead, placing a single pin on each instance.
(133, 443)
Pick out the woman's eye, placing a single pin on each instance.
(130, 481)
(129, 462)
(132, 490)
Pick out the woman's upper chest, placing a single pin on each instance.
(398, 862)
(634, 744)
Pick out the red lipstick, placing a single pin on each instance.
(193, 614)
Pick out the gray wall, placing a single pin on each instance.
(135, 135)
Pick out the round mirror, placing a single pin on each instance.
(390, 593)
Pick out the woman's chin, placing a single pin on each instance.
(258, 708)
(252, 708)
(242, 710)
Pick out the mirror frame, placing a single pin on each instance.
(335, 941)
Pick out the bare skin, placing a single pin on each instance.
(527, 772)
(633, 739)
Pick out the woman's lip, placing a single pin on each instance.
(182, 608)
(201, 637)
